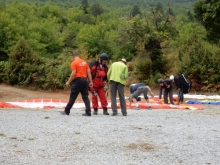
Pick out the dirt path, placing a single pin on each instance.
(11, 93)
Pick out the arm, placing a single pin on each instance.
(126, 72)
(89, 77)
(150, 91)
(169, 83)
(72, 76)
(109, 73)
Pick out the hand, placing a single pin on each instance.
(90, 84)
(67, 83)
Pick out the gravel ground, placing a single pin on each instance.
(149, 137)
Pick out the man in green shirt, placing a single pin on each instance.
(117, 74)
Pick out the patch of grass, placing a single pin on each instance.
(140, 146)
(135, 127)
(1, 134)
(13, 137)
(30, 138)
(46, 117)
(77, 132)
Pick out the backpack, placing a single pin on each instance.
(183, 83)
(96, 63)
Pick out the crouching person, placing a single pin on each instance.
(137, 90)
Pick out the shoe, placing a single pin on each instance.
(85, 114)
(105, 111)
(149, 108)
(95, 111)
(115, 114)
(63, 113)
(136, 108)
(124, 114)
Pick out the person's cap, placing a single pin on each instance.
(124, 60)
(171, 77)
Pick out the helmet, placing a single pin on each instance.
(171, 77)
(103, 56)
(160, 80)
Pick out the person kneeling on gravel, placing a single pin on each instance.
(136, 91)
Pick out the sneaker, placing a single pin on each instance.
(136, 108)
(85, 114)
(95, 113)
(149, 108)
(124, 114)
(115, 114)
(63, 113)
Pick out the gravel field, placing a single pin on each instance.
(149, 137)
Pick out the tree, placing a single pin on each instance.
(22, 64)
(85, 6)
(135, 11)
(96, 9)
(207, 12)
(199, 61)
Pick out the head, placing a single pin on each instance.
(103, 58)
(124, 61)
(171, 77)
(75, 54)
(160, 81)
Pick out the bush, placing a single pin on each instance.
(199, 61)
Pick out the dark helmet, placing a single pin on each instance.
(160, 80)
(103, 56)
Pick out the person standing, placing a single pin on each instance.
(137, 90)
(117, 74)
(99, 76)
(78, 79)
(167, 85)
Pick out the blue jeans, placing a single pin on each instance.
(180, 95)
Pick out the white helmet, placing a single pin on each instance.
(171, 77)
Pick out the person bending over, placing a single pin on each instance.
(137, 90)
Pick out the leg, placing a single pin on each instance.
(95, 104)
(113, 92)
(103, 100)
(85, 93)
(122, 99)
(165, 96)
(73, 95)
(135, 96)
(181, 96)
(145, 91)
(171, 96)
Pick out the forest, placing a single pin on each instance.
(157, 38)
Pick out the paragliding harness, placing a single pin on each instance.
(96, 63)
(183, 83)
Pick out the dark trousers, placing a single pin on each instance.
(180, 95)
(114, 88)
(165, 95)
(79, 85)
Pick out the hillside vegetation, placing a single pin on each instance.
(157, 38)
